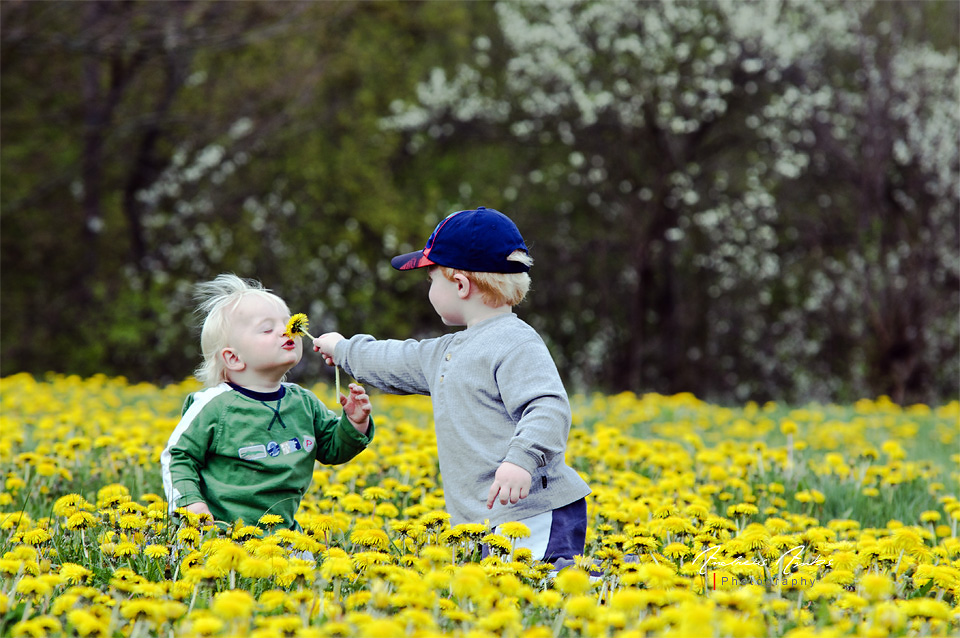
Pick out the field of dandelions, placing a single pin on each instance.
(759, 520)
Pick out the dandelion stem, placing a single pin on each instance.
(558, 623)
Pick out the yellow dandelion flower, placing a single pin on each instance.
(337, 567)
(572, 580)
(676, 550)
(627, 599)
(656, 576)
(74, 573)
(207, 625)
(66, 506)
(297, 326)
(36, 537)
(376, 538)
(37, 627)
(514, 530)
(927, 608)
(581, 606)
(497, 543)
(188, 535)
(235, 603)
(272, 600)
(437, 554)
(742, 509)
(31, 586)
(876, 586)
(86, 623)
(436, 518)
(156, 551)
(824, 590)
(246, 532)
(468, 580)
(80, 520)
(270, 520)
(549, 599)
(251, 567)
(376, 493)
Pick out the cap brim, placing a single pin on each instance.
(410, 261)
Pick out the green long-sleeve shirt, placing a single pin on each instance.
(246, 454)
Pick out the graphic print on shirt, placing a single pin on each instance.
(253, 452)
(274, 449)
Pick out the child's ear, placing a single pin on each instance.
(464, 285)
(232, 360)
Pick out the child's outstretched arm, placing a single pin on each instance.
(357, 407)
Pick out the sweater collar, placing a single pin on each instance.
(259, 396)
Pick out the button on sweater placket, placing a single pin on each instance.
(446, 357)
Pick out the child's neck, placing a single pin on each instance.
(483, 312)
(253, 381)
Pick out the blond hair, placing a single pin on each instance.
(217, 301)
(498, 288)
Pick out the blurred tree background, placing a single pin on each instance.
(740, 200)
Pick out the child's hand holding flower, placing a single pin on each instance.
(297, 327)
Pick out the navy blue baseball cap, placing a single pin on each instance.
(475, 240)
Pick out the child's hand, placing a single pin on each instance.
(199, 508)
(325, 344)
(356, 406)
(511, 482)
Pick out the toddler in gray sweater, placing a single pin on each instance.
(501, 413)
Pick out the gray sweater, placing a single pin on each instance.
(497, 396)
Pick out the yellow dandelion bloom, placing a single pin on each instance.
(656, 576)
(66, 506)
(297, 326)
(676, 550)
(86, 623)
(876, 586)
(74, 573)
(250, 567)
(337, 567)
(514, 530)
(497, 543)
(80, 520)
(207, 625)
(188, 535)
(36, 537)
(376, 493)
(270, 520)
(32, 586)
(236, 603)
(581, 606)
(272, 599)
(468, 580)
(376, 538)
(436, 518)
(156, 551)
(573, 580)
(436, 554)
(246, 532)
(927, 608)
